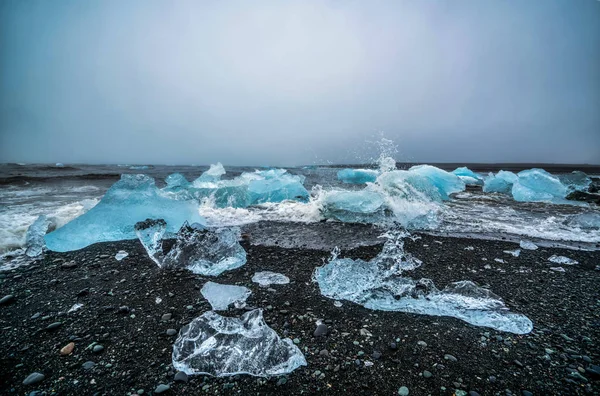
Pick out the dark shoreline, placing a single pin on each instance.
(565, 309)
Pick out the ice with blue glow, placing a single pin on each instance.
(536, 185)
(501, 182)
(212, 175)
(34, 239)
(220, 297)
(222, 346)
(354, 206)
(275, 185)
(378, 284)
(446, 182)
(132, 199)
(468, 176)
(150, 232)
(575, 181)
(357, 176)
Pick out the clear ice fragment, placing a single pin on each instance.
(34, 239)
(528, 245)
(357, 176)
(221, 297)
(267, 278)
(121, 254)
(514, 253)
(150, 233)
(221, 346)
(562, 260)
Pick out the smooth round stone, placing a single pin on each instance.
(7, 299)
(321, 330)
(403, 391)
(171, 332)
(54, 326)
(526, 393)
(88, 365)
(180, 376)
(34, 378)
(162, 388)
(450, 357)
(98, 348)
(427, 374)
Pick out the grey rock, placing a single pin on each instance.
(171, 332)
(7, 299)
(450, 357)
(422, 344)
(98, 348)
(403, 391)
(162, 388)
(34, 378)
(526, 393)
(427, 374)
(180, 376)
(88, 365)
(321, 330)
(473, 393)
(376, 355)
(53, 326)
(166, 317)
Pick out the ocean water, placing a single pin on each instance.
(64, 192)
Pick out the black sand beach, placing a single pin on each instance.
(365, 352)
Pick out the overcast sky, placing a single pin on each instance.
(289, 83)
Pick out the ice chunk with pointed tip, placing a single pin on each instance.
(150, 233)
(221, 297)
(130, 200)
(502, 182)
(446, 182)
(468, 176)
(354, 206)
(562, 260)
(34, 239)
(176, 181)
(121, 254)
(212, 175)
(535, 185)
(514, 253)
(221, 346)
(528, 245)
(267, 278)
(377, 284)
(357, 176)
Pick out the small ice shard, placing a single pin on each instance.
(557, 269)
(378, 285)
(59, 165)
(535, 185)
(206, 252)
(221, 297)
(150, 233)
(34, 240)
(158, 300)
(132, 199)
(221, 346)
(267, 278)
(338, 303)
(469, 248)
(499, 261)
(562, 260)
(528, 245)
(75, 307)
(514, 253)
(121, 254)
(357, 176)
(212, 175)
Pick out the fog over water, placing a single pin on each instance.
(299, 82)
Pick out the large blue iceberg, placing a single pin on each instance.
(535, 185)
(357, 176)
(354, 206)
(468, 176)
(501, 182)
(132, 199)
(378, 284)
(446, 182)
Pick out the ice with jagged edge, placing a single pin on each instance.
(121, 254)
(222, 346)
(562, 260)
(221, 296)
(267, 278)
(132, 199)
(354, 206)
(150, 233)
(357, 176)
(468, 176)
(501, 182)
(535, 185)
(34, 239)
(378, 284)
(528, 245)
(575, 181)
(202, 251)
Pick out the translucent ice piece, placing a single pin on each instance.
(150, 233)
(562, 260)
(357, 176)
(221, 297)
(34, 240)
(267, 278)
(221, 346)
(528, 245)
(121, 254)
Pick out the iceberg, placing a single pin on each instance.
(575, 181)
(221, 297)
(354, 206)
(130, 200)
(221, 346)
(34, 239)
(446, 182)
(468, 176)
(357, 176)
(267, 278)
(377, 284)
(535, 185)
(176, 181)
(562, 260)
(212, 175)
(202, 251)
(502, 182)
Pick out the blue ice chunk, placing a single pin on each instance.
(411, 186)
(176, 181)
(357, 176)
(276, 186)
(535, 185)
(373, 285)
(34, 240)
(132, 199)
(446, 182)
(468, 176)
(502, 182)
(585, 221)
(354, 206)
(212, 175)
(575, 181)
